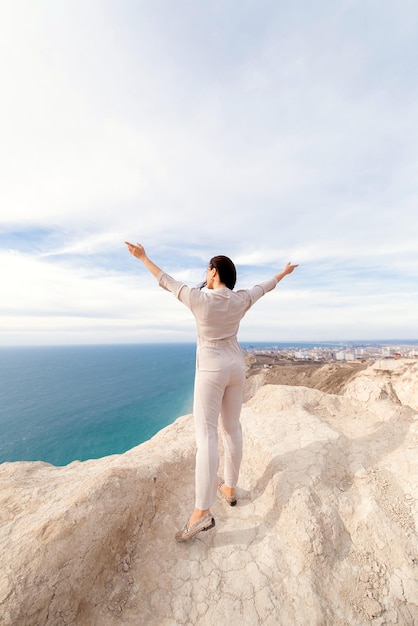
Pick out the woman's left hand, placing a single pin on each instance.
(138, 250)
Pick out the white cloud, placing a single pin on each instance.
(88, 244)
(272, 134)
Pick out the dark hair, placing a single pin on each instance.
(226, 270)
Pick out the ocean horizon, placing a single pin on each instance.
(59, 404)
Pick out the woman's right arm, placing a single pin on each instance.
(288, 269)
(256, 292)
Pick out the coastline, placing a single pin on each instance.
(325, 524)
(60, 404)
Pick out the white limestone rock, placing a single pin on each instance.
(387, 379)
(324, 532)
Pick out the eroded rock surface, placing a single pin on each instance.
(324, 533)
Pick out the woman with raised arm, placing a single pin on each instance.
(220, 376)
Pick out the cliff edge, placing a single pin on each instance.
(324, 532)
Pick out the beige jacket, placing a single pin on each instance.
(218, 312)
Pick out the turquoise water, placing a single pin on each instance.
(58, 404)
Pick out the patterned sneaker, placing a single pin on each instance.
(187, 532)
(230, 499)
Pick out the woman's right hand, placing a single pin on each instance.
(288, 268)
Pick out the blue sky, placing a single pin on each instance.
(265, 130)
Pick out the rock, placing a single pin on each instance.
(387, 379)
(324, 532)
(372, 608)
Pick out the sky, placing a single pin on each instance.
(266, 130)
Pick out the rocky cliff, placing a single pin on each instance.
(324, 533)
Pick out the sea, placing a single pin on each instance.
(60, 404)
(67, 403)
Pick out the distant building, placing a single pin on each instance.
(345, 356)
(301, 355)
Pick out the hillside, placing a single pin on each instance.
(324, 533)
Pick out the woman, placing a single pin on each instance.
(220, 376)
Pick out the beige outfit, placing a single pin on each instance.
(220, 378)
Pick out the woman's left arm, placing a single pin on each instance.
(177, 288)
(138, 252)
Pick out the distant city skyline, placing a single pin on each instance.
(269, 131)
(349, 352)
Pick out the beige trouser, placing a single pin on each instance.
(219, 391)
